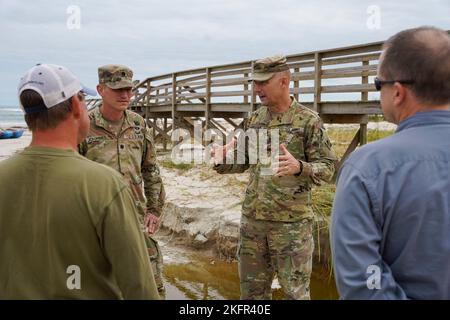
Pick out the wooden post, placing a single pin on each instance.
(164, 138)
(148, 93)
(362, 133)
(245, 88)
(365, 80)
(207, 98)
(364, 97)
(146, 101)
(253, 101)
(317, 80)
(174, 98)
(296, 85)
(155, 121)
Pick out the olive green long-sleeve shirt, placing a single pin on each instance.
(69, 230)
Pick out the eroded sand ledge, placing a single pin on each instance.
(203, 211)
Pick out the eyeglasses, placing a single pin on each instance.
(379, 83)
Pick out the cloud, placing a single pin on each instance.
(155, 37)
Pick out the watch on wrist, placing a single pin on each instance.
(301, 169)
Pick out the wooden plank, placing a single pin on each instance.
(160, 131)
(230, 108)
(357, 58)
(218, 125)
(350, 71)
(344, 118)
(147, 93)
(302, 90)
(231, 122)
(146, 109)
(216, 83)
(350, 149)
(167, 76)
(231, 82)
(207, 97)
(317, 80)
(352, 50)
(362, 133)
(246, 87)
(235, 115)
(193, 91)
(190, 72)
(296, 84)
(349, 75)
(174, 96)
(230, 93)
(165, 129)
(191, 107)
(157, 95)
(305, 75)
(191, 96)
(293, 58)
(191, 87)
(350, 108)
(161, 87)
(365, 80)
(230, 73)
(307, 64)
(349, 88)
(192, 79)
(331, 74)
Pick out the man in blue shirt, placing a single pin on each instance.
(390, 230)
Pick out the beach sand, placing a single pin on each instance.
(10, 146)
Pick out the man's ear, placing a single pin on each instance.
(76, 107)
(100, 90)
(284, 81)
(400, 93)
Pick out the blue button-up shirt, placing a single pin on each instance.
(390, 232)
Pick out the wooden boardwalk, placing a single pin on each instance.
(335, 82)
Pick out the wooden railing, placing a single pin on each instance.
(227, 90)
(337, 83)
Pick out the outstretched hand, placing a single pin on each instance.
(219, 153)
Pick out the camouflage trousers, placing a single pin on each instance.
(156, 260)
(267, 248)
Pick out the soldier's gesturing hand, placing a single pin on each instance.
(218, 153)
(151, 223)
(286, 163)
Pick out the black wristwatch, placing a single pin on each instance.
(301, 169)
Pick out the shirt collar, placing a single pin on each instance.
(425, 118)
(102, 122)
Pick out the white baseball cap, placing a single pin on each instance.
(54, 84)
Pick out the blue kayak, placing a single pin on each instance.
(17, 133)
(10, 134)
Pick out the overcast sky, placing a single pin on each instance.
(155, 37)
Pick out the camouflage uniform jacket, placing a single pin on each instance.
(287, 198)
(132, 153)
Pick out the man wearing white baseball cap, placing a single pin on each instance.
(67, 223)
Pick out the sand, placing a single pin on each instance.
(10, 146)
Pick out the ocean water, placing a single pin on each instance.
(11, 116)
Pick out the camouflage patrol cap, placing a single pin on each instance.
(264, 69)
(115, 76)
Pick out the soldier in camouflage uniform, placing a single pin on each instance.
(119, 138)
(277, 221)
